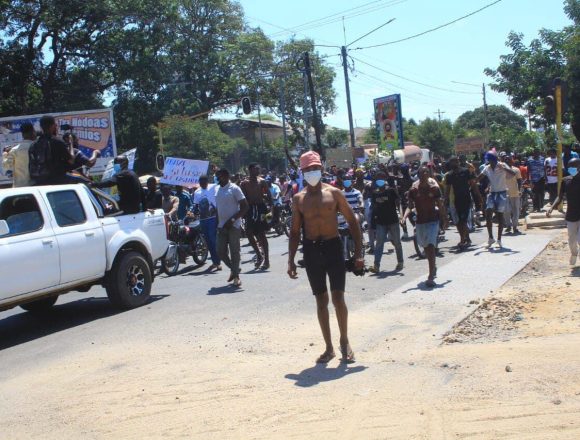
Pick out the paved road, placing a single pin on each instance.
(193, 295)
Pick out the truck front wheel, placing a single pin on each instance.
(129, 283)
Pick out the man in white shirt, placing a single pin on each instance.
(497, 197)
(205, 203)
(231, 206)
(16, 161)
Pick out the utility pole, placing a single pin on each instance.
(283, 111)
(316, 119)
(486, 140)
(260, 121)
(306, 113)
(348, 104)
(439, 113)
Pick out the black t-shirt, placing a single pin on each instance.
(384, 202)
(60, 155)
(572, 189)
(153, 200)
(130, 191)
(459, 180)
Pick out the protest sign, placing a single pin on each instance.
(183, 172)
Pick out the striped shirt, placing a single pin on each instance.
(354, 198)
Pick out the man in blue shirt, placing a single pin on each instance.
(537, 175)
(185, 203)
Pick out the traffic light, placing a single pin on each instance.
(160, 161)
(246, 105)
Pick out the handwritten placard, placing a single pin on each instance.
(183, 172)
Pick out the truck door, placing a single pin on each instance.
(29, 257)
(80, 237)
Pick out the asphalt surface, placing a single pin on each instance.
(196, 298)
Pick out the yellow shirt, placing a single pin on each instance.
(17, 161)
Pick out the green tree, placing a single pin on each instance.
(336, 137)
(196, 139)
(435, 135)
(525, 74)
(499, 115)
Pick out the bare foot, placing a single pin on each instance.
(347, 354)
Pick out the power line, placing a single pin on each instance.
(413, 81)
(431, 30)
(337, 17)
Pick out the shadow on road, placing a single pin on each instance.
(25, 327)
(224, 290)
(422, 286)
(575, 272)
(504, 250)
(321, 373)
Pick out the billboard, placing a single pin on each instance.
(95, 130)
(389, 122)
(469, 145)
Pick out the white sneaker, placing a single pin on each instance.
(573, 260)
(499, 244)
(490, 242)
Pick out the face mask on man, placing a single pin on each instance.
(380, 183)
(313, 177)
(572, 171)
(117, 168)
(347, 183)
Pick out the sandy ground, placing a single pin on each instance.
(511, 370)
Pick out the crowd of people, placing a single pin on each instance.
(373, 204)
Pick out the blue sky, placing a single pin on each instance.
(459, 52)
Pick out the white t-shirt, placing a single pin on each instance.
(17, 161)
(551, 166)
(205, 194)
(228, 200)
(275, 191)
(497, 177)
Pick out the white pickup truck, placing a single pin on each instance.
(56, 239)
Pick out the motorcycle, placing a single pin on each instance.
(346, 236)
(188, 239)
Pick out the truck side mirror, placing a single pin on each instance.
(160, 161)
(4, 229)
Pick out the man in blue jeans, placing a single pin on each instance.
(496, 172)
(204, 202)
(385, 220)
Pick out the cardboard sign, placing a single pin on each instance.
(183, 172)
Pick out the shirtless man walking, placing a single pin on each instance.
(315, 209)
(257, 194)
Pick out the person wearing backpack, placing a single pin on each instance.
(49, 157)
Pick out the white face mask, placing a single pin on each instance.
(313, 177)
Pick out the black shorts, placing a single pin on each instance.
(462, 208)
(256, 219)
(321, 258)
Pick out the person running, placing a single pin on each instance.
(386, 220)
(463, 183)
(315, 210)
(425, 197)
(231, 205)
(496, 172)
(571, 190)
(257, 194)
(205, 204)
